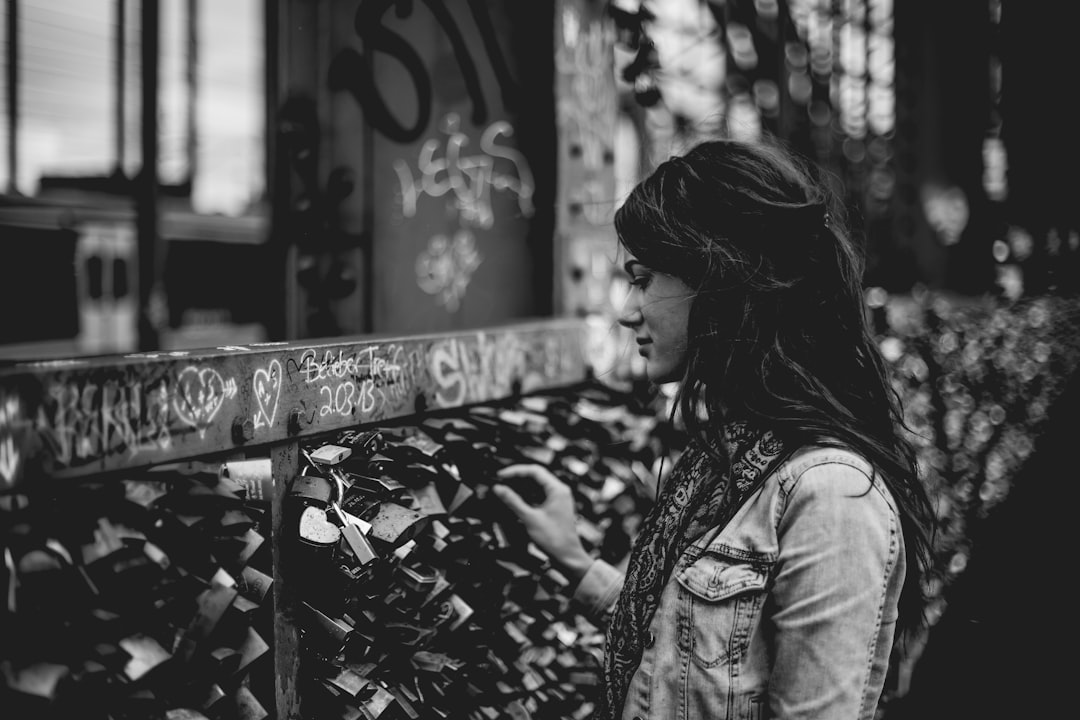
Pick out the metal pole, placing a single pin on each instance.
(279, 317)
(192, 86)
(146, 191)
(121, 79)
(13, 95)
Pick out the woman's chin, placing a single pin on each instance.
(662, 373)
(661, 376)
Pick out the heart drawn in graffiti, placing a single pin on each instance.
(267, 384)
(199, 395)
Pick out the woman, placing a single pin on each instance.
(786, 549)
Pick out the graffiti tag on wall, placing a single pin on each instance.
(453, 168)
(446, 266)
(353, 69)
(443, 167)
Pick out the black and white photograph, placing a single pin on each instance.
(538, 359)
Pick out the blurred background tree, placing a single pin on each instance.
(944, 124)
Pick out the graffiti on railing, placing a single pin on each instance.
(102, 416)
(200, 393)
(366, 383)
(10, 419)
(266, 384)
(83, 420)
(492, 366)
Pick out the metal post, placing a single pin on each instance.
(120, 50)
(192, 87)
(285, 463)
(275, 187)
(146, 191)
(13, 95)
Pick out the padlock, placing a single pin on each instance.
(380, 464)
(404, 634)
(382, 488)
(360, 505)
(251, 649)
(402, 452)
(184, 714)
(427, 500)
(316, 530)
(209, 702)
(223, 662)
(323, 633)
(352, 684)
(376, 705)
(455, 612)
(236, 552)
(190, 497)
(251, 479)
(235, 521)
(311, 489)
(246, 705)
(362, 442)
(453, 493)
(212, 604)
(352, 578)
(417, 577)
(145, 653)
(416, 474)
(405, 700)
(350, 532)
(441, 586)
(253, 584)
(396, 524)
(328, 454)
(440, 426)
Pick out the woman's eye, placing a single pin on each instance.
(639, 281)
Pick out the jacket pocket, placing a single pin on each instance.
(719, 601)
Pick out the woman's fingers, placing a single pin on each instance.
(512, 500)
(550, 522)
(527, 469)
(540, 474)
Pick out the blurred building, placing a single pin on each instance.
(70, 167)
(328, 168)
(321, 168)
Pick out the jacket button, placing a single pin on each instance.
(650, 639)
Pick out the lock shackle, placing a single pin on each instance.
(311, 461)
(339, 483)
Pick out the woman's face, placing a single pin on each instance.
(657, 310)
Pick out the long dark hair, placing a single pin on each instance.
(778, 332)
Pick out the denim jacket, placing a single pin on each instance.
(787, 612)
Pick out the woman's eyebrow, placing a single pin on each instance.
(628, 266)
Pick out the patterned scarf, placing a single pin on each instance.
(693, 500)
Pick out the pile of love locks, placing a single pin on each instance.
(977, 378)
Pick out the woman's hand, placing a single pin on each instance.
(551, 524)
